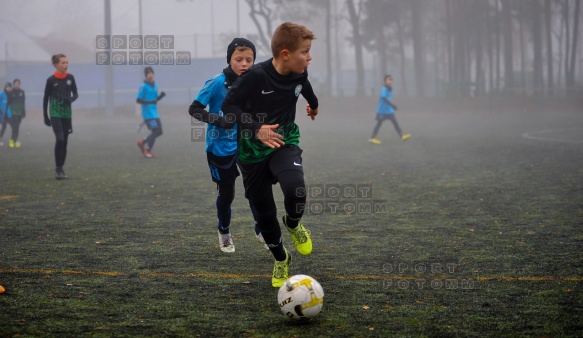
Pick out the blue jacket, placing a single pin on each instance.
(384, 107)
(219, 141)
(4, 107)
(149, 92)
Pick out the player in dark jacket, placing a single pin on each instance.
(16, 100)
(60, 92)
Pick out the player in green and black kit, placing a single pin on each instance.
(263, 100)
(61, 91)
(16, 100)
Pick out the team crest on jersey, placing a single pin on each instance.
(68, 82)
(298, 90)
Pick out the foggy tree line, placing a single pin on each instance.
(468, 47)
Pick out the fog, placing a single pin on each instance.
(438, 48)
(490, 180)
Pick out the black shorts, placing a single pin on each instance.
(61, 125)
(382, 117)
(257, 176)
(223, 168)
(153, 123)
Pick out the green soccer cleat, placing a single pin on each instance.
(301, 237)
(375, 140)
(281, 271)
(405, 137)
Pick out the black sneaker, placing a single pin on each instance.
(60, 174)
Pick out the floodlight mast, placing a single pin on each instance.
(109, 104)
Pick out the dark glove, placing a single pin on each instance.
(47, 121)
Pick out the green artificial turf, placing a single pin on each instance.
(478, 231)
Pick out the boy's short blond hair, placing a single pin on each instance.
(289, 36)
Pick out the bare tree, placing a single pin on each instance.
(489, 47)
(460, 28)
(567, 38)
(549, 42)
(497, 33)
(537, 48)
(448, 39)
(403, 62)
(328, 87)
(508, 58)
(380, 28)
(479, 15)
(521, 18)
(418, 46)
(354, 15)
(263, 16)
(570, 75)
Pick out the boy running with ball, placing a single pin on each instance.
(263, 100)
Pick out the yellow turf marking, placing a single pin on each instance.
(7, 197)
(236, 275)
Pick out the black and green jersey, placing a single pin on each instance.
(60, 92)
(16, 101)
(262, 96)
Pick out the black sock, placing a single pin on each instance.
(278, 252)
(275, 245)
(290, 222)
(224, 215)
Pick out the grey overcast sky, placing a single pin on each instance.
(192, 22)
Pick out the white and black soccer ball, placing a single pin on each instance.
(300, 297)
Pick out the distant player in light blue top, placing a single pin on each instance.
(148, 97)
(386, 111)
(5, 112)
(221, 135)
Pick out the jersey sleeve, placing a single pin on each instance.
(46, 97)
(206, 94)
(309, 95)
(74, 89)
(141, 92)
(205, 98)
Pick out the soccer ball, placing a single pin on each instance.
(300, 297)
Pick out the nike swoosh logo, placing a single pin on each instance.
(264, 92)
(56, 84)
(297, 164)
